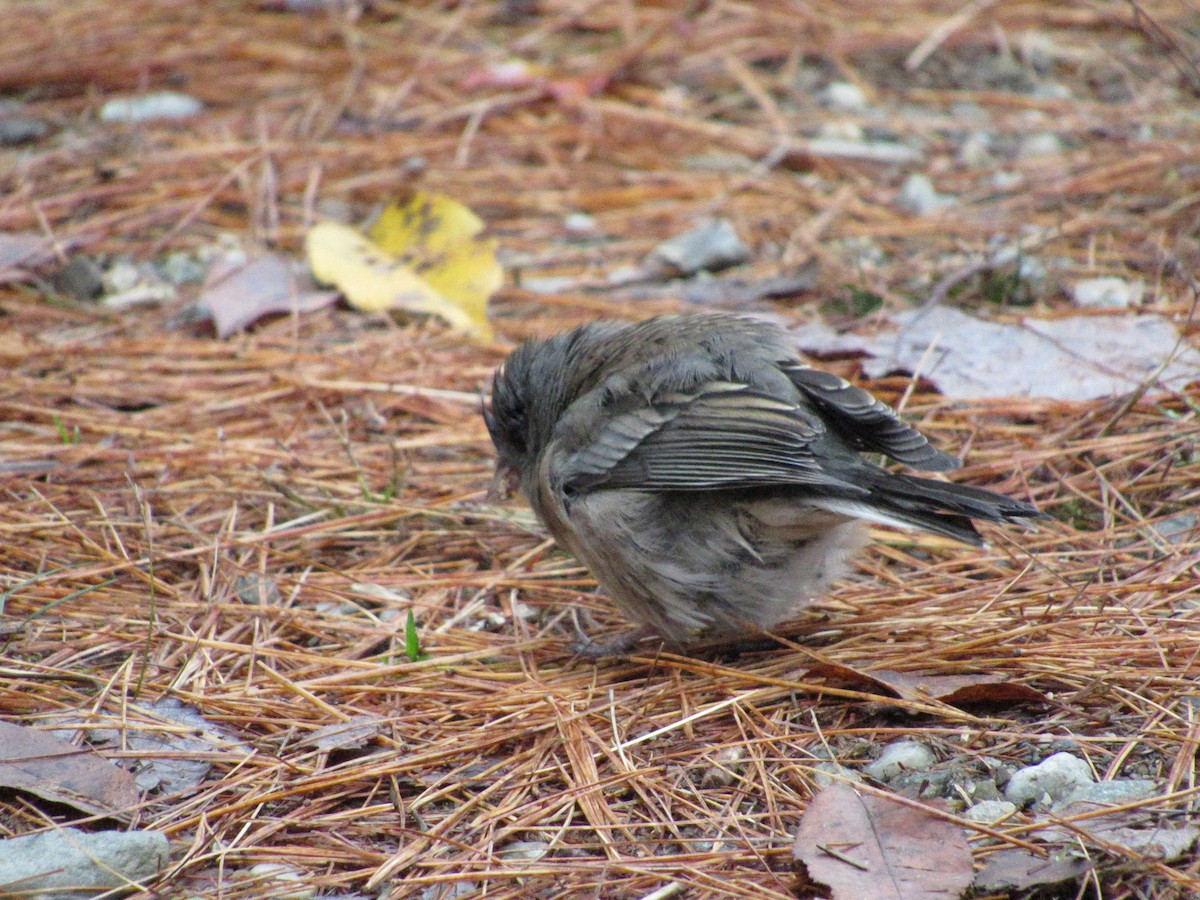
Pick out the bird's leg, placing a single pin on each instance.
(588, 648)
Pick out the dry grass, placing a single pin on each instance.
(214, 521)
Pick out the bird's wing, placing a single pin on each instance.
(722, 435)
(865, 422)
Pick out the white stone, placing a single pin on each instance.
(844, 95)
(899, 757)
(989, 812)
(1108, 293)
(919, 196)
(148, 107)
(1053, 779)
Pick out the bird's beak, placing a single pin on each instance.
(504, 484)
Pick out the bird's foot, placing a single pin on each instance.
(586, 647)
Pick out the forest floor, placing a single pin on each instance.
(216, 550)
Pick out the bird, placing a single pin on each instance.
(712, 482)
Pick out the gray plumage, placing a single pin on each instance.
(710, 480)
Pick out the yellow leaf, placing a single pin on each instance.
(424, 257)
(428, 225)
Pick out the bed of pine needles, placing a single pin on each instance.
(262, 527)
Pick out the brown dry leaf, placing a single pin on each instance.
(425, 256)
(956, 690)
(237, 295)
(44, 765)
(860, 845)
(1019, 870)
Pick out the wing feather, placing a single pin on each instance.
(722, 436)
(866, 422)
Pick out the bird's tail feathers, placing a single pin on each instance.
(939, 507)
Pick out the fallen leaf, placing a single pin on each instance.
(175, 757)
(1127, 829)
(426, 256)
(353, 734)
(1071, 358)
(955, 690)
(237, 295)
(22, 248)
(860, 845)
(1019, 870)
(54, 770)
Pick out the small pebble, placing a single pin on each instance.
(868, 151)
(550, 284)
(1113, 793)
(900, 757)
(170, 105)
(830, 773)
(845, 96)
(918, 195)
(1051, 90)
(724, 768)
(1178, 529)
(1051, 780)
(709, 246)
(1039, 51)
(975, 150)
(842, 130)
(276, 875)
(526, 850)
(1041, 143)
(20, 129)
(580, 224)
(81, 278)
(1005, 180)
(989, 812)
(965, 109)
(182, 268)
(1107, 293)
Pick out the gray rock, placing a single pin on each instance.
(870, 151)
(966, 109)
(64, 864)
(918, 195)
(1052, 90)
(1039, 51)
(845, 96)
(841, 130)
(182, 268)
(1041, 143)
(712, 245)
(1111, 793)
(1107, 293)
(524, 850)
(1053, 779)
(20, 129)
(975, 150)
(989, 812)
(900, 757)
(170, 105)
(580, 224)
(283, 882)
(1178, 529)
(1004, 180)
(830, 773)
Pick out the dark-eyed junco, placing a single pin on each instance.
(711, 481)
